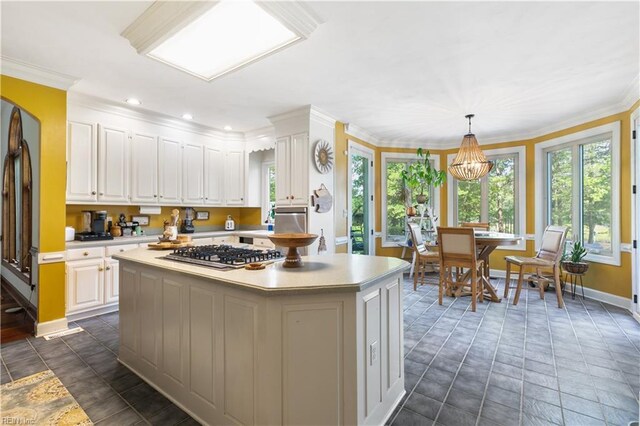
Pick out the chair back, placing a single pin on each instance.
(552, 245)
(481, 226)
(457, 246)
(416, 238)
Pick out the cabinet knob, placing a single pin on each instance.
(100, 268)
(102, 193)
(121, 250)
(287, 197)
(241, 199)
(162, 196)
(108, 268)
(93, 192)
(292, 197)
(155, 196)
(86, 253)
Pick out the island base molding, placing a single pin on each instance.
(228, 355)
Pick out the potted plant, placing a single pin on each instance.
(572, 262)
(421, 175)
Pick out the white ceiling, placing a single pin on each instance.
(403, 71)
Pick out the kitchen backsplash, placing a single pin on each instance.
(244, 216)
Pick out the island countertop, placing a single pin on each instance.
(330, 272)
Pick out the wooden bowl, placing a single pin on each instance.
(292, 242)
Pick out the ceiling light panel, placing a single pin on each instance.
(226, 37)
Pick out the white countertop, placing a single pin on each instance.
(258, 233)
(329, 272)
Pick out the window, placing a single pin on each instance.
(269, 189)
(393, 197)
(579, 188)
(498, 198)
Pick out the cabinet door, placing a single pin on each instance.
(234, 178)
(82, 162)
(213, 176)
(144, 160)
(85, 284)
(111, 273)
(113, 164)
(193, 174)
(283, 166)
(170, 171)
(299, 178)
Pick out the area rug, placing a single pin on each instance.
(40, 399)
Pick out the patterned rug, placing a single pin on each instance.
(40, 399)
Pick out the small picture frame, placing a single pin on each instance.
(202, 215)
(143, 220)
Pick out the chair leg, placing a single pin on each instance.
(415, 274)
(481, 289)
(540, 285)
(474, 288)
(441, 283)
(556, 279)
(519, 289)
(507, 281)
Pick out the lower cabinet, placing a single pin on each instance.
(85, 284)
(111, 287)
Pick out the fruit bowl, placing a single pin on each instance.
(292, 242)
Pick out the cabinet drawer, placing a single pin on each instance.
(263, 242)
(229, 239)
(85, 253)
(111, 250)
(203, 241)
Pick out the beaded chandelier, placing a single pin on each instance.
(470, 163)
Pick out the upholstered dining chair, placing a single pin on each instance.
(544, 267)
(421, 255)
(458, 250)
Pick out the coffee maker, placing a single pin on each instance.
(97, 228)
(187, 223)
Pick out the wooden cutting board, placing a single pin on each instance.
(168, 246)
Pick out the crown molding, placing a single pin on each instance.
(35, 74)
(632, 93)
(161, 20)
(360, 133)
(296, 16)
(321, 116)
(301, 112)
(111, 107)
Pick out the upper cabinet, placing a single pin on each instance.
(214, 176)
(113, 165)
(292, 170)
(193, 175)
(144, 169)
(170, 171)
(82, 162)
(234, 177)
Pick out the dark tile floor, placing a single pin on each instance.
(530, 364)
(507, 365)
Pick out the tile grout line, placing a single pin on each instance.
(618, 325)
(608, 349)
(4, 364)
(585, 361)
(553, 354)
(408, 394)
(524, 353)
(455, 376)
(493, 360)
(99, 377)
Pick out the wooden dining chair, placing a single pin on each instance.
(544, 267)
(480, 226)
(458, 250)
(422, 256)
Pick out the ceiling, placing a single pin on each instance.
(405, 72)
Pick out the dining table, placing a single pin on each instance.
(487, 242)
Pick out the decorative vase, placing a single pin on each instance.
(411, 211)
(575, 267)
(421, 199)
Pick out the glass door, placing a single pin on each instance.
(361, 205)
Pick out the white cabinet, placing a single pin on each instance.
(144, 170)
(193, 175)
(82, 162)
(169, 171)
(85, 284)
(111, 281)
(234, 177)
(292, 170)
(213, 176)
(228, 239)
(113, 164)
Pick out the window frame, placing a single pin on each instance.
(401, 157)
(520, 192)
(264, 182)
(574, 140)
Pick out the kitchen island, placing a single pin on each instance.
(322, 344)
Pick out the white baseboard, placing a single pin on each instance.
(589, 293)
(636, 315)
(49, 327)
(93, 312)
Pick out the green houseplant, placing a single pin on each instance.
(421, 175)
(572, 262)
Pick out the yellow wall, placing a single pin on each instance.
(607, 278)
(217, 215)
(49, 106)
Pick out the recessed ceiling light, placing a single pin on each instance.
(228, 36)
(228, 128)
(187, 116)
(133, 101)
